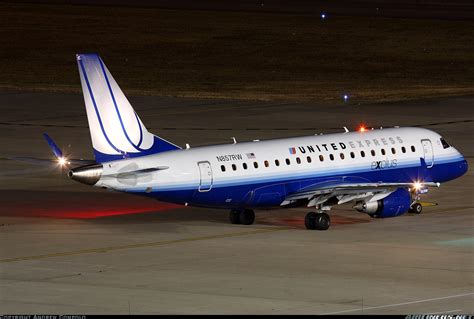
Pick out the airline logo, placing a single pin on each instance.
(338, 146)
(384, 164)
(114, 125)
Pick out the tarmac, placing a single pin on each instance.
(66, 248)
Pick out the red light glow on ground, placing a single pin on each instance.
(85, 213)
(78, 205)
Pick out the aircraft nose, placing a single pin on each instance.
(463, 167)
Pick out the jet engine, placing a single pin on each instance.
(395, 204)
(88, 174)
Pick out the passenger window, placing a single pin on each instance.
(255, 164)
(234, 167)
(266, 163)
(287, 161)
(383, 151)
(298, 160)
(404, 150)
(331, 157)
(277, 162)
(393, 150)
(342, 155)
(352, 155)
(372, 152)
(362, 153)
(321, 158)
(244, 165)
(413, 149)
(308, 159)
(223, 168)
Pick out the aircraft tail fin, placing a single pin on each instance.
(116, 130)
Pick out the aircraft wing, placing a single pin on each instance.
(346, 192)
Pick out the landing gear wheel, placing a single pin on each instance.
(319, 221)
(247, 217)
(234, 216)
(310, 220)
(416, 208)
(323, 221)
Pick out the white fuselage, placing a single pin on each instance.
(375, 153)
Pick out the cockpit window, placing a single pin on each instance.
(444, 143)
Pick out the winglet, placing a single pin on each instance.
(56, 151)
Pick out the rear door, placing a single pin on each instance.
(205, 170)
(428, 152)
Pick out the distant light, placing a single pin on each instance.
(345, 97)
(323, 16)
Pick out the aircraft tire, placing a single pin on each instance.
(323, 221)
(234, 216)
(247, 217)
(416, 208)
(310, 220)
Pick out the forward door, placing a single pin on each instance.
(428, 152)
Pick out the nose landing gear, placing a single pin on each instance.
(415, 208)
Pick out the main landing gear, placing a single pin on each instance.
(242, 216)
(319, 221)
(415, 208)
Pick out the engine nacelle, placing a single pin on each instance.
(395, 204)
(88, 174)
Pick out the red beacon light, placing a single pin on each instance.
(362, 128)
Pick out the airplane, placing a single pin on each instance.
(383, 172)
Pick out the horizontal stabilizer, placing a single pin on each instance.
(50, 162)
(56, 151)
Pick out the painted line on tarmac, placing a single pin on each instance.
(428, 204)
(400, 304)
(225, 128)
(143, 245)
(461, 242)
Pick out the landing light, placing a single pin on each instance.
(417, 185)
(62, 161)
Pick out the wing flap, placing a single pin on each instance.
(346, 192)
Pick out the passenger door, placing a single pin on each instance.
(205, 170)
(428, 153)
